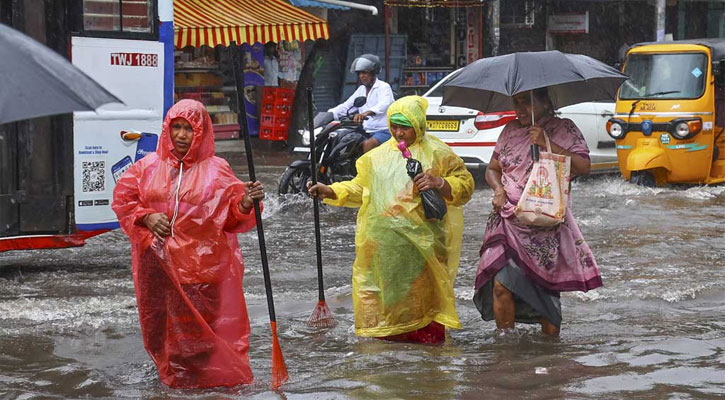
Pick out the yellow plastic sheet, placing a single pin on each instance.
(405, 265)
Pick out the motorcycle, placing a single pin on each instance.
(338, 145)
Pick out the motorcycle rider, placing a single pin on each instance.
(379, 95)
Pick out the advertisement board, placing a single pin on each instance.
(133, 70)
(569, 23)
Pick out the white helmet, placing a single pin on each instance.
(366, 62)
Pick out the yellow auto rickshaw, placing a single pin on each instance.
(670, 115)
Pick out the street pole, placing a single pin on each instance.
(387, 42)
(660, 20)
(494, 19)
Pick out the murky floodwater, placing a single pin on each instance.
(656, 330)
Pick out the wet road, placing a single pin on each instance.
(656, 330)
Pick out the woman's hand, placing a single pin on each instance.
(158, 224)
(320, 191)
(252, 191)
(499, 199)
(536, 134)
(426, 181)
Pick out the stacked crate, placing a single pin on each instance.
(276, 115)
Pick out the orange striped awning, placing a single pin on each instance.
(219, 22)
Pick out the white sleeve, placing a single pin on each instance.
(383, 100)
(341, 109)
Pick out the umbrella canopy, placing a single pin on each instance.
(35, 81)
(488, 84)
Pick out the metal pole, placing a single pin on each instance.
(387, 43)
(494, 20)
(660, 20)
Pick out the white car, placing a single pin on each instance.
(473, 134)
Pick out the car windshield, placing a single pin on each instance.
(664, 76)
(437, 90)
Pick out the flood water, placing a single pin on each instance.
(656, 330)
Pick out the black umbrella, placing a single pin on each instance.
(35, 81)
(488, 84)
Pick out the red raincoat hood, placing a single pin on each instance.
(202, 144)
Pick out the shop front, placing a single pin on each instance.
(270, 35)
(442, 37)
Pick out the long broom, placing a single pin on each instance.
(279, 369)
(321, 316)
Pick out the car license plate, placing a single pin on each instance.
(434, 125)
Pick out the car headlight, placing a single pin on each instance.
(683, 129)
(615, 129)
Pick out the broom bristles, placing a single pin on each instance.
(321, 317)
(279, 369)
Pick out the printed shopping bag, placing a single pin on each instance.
(546, 195)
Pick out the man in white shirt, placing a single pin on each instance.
(271, 65)
(379, 95)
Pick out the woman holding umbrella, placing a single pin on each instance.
(523, 268)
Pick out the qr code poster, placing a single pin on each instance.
(93, 175)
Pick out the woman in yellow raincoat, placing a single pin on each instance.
(405, 265)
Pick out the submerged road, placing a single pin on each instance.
(69, 326)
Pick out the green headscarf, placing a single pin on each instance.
(412, 109)
(400, 119)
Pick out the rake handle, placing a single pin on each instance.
(239, 80)
(316, 208)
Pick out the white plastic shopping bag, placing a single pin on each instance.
(546, 195)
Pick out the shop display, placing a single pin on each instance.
(197, 76)
(418, 79)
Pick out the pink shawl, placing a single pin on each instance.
(555, 258)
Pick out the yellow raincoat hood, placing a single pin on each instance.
(405, 265)
(413, 108)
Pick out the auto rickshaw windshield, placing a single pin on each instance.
(664, 76)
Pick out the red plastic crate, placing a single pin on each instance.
(281, 122)
(285, 96)
(269, 94)
(282, 110)
(267, 108)
(267, 120)
(273, 134)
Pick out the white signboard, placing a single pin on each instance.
(569, 23)
(133, 71)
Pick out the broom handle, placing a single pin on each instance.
(239, 81)
(534, 146)
(313, 175)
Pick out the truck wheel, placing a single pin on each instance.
(643, 178)
(294, 180)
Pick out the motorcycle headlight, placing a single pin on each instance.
(305, 137)
(614, 129)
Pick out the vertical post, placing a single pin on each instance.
(166, 36)
(480, 32)
(681, 18)
(494, 21)
(387, 43)
(660, 8)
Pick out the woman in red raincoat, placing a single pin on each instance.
(182, 208)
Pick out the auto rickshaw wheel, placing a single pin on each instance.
(643, 178)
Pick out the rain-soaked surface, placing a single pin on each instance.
(656, 330)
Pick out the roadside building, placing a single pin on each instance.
(270, 33)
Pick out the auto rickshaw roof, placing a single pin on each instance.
(717, 46)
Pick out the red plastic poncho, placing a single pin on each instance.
(189, 287)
